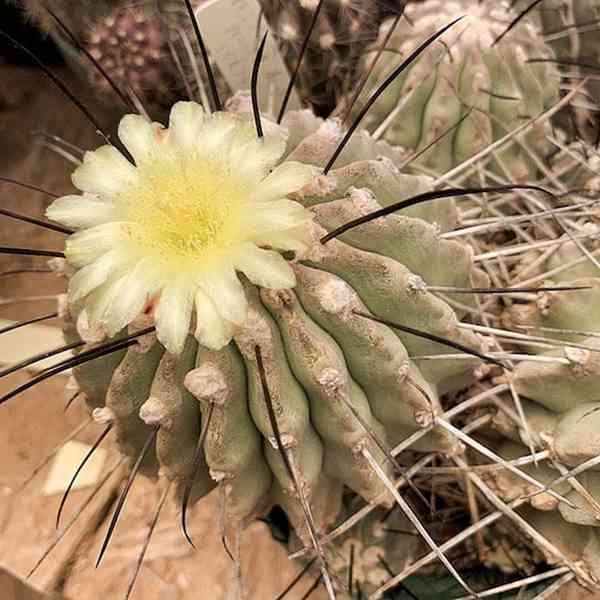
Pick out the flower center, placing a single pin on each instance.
(185, 206)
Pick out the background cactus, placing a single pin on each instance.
(554, 382)
(146, 48)
(467, 73)
(570, 28)
(148, 45)
(558, 385)
(336, 53)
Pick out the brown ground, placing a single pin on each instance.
(31, 426)
(34, 423)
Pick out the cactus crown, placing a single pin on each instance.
(170, 230)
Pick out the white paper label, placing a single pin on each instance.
(229, 29)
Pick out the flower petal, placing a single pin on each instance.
(185, 122)
(212, 330)
(101, 301)
(254, 158)
(104, 171)
(288, 177)
(223, 287)
(136, 290)
(86, 246)
(265, 268)
(215, 134)
(140, 137)
(297, 239)
(173, 315)
(94, 275)
(80, 211)
(278, 215)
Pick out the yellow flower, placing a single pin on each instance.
(171, 233)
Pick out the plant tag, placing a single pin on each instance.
(231, 32)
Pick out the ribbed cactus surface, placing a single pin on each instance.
(344, 389)
(559, 385)
(489, 84)
(555, 375)
(337, 48)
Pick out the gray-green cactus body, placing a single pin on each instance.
(344, 388)
(491, 85)
(559, 385)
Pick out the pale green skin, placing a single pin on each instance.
(561, 401)
(304, 335)
(496, 82)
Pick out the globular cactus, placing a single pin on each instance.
(470, 74)
(549, 403)
(560, 386)
(144, 48)
(132, 45)
(163, 242)
(335, 56)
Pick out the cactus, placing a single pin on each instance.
(134, 44)
(145, 48)
(468, 72)
(559, 393)
(570, 28)
(343, 388)
(553, 386)
(336, 52)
